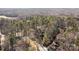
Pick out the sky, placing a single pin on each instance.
(39, 3)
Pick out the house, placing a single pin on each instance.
(19, 34)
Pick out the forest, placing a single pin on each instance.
(40, 33)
